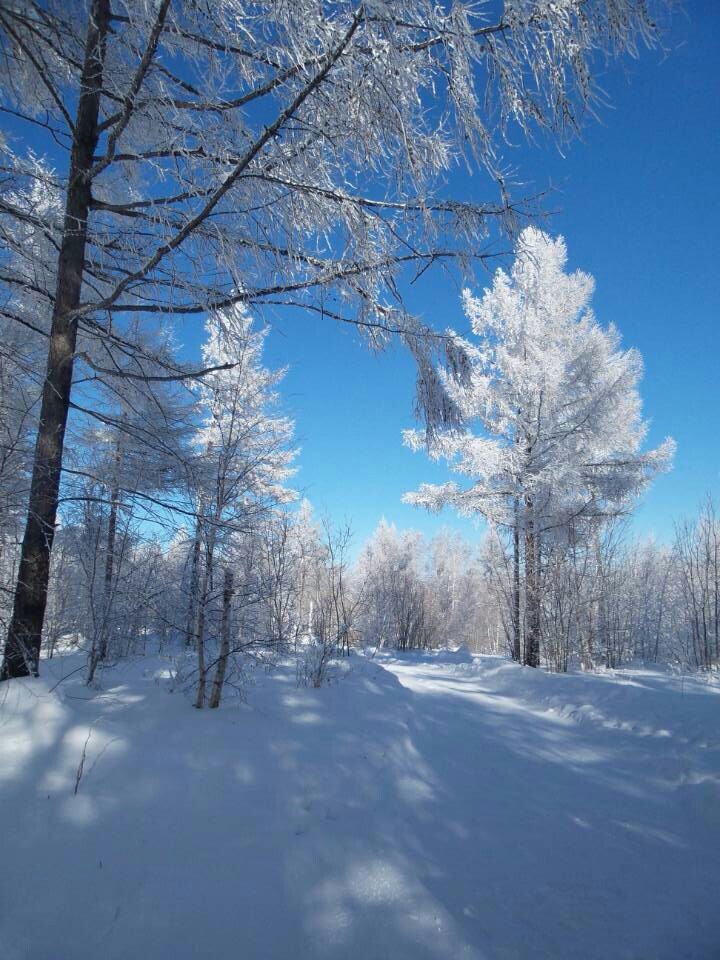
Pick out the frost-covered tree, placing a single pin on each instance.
(289, 554)
(244, 457)
(553, 425)
(24, 323)
(336, 599)
(419, 593)
(267, 153)
(398, 612)
(697, 551)
(131, 464)
(19, 396)
(458, 594)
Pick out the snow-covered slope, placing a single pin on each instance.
(420, 807)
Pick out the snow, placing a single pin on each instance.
(422, 806)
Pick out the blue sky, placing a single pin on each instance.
(637, 199)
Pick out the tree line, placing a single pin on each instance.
(165, 160)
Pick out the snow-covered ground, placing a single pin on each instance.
(421, 807)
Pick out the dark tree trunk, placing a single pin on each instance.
(200, 635)
(99, 651)
(532, 593)
(516, 654)
(221, 668)
(22, 650)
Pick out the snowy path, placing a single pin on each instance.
(574, 828)
(419, 809)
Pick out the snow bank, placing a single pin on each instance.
(440, 655)
(641, 700)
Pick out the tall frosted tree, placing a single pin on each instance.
(553, 429)
(244, 460)
(290, 154)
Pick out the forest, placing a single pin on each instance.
(179, 179)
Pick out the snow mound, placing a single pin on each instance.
(440, 655)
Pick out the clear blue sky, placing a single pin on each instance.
(638, 200)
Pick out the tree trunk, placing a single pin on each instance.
(516, 655)
(109, 565)
(224, 641)
(200, 636)
(193, 587)
(532, 593)
(99, 651)
(604, 635)
(22, 650)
